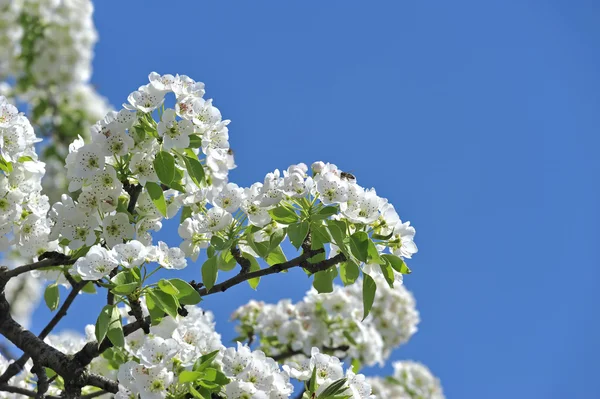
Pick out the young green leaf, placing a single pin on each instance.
(325, 212)
(373, 253)
(397, 263)
(254, 266)
(168, 288)
(209, 272)
(195, 170)
(276, 256)
(388, 273)
(226, 261)
(187, 294)
(337, 229)
(52, 296)
(297, 233)
(323, 280)
(157, 197)
(168, 303)
(189, 376)
(115, 329)
(283, 215)
(103, 322)
(369, 289)
(164, 166)
(349, 272)
(359, 245)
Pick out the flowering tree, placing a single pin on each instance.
(149, 163)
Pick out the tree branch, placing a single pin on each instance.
(20, 391)
(17, 366)
(134, 193)
(46, 259)
(277, 268)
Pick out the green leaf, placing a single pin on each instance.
(195, 141)
(349, 338)
(323, 280)
(205, 360)
(388, 273)
(195, 170)
(359, 245)
(156, 314)
(189, 376)
(164, 166)
(312, 385)
(196, 394)
(373, 253)
(325, 212)
(89, 288)
(115, 329)
(261, 248)
(5, 165)
(186, 212)
(337, 229)
(320, 231)
(156, 195)
(226, 261)
(369, 289)
(125, 283)
(283, 215)
(276, 256)
(24, 158)
(125, 289)
(187, 294)
(383, 238)
(355, 365)
(254, 266)
(102, 323)
(210, 272)
(166, 302)
(297, 233)
(349, 272)
(168, 288)
(335, 388)
(276, 238)
(218, 243)
(52, 296)
(397, 263)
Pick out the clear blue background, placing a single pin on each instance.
(477, 119)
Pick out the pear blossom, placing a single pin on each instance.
(97, 263)
(117, 228)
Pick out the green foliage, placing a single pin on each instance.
(52, 296)
(369, 288)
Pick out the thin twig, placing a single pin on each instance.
(47, 259)
(21, 391)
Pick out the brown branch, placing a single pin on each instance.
(47, 259)
(101, 382)
(21, 391)
(243, 262)
(42, 381)
(134, 192)
(16, 367)
(277, 268)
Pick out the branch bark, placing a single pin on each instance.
(46, 259)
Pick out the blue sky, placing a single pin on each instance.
(478, 120)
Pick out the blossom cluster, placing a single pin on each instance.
(22, 206)
(124, 150)
(410, 380)
(294, 329)
(327, 370)
(53, 40)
